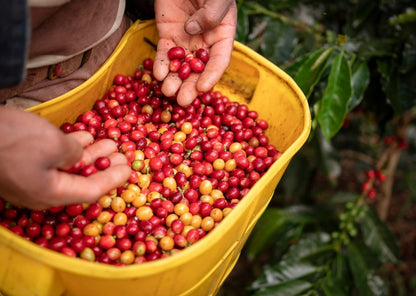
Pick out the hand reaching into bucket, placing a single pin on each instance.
(209, 24)
(34, 153)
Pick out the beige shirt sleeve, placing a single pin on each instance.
(62, 29)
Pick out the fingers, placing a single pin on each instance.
(220, 55)
(82, 137)
(91, 152)
(208, 17)
(75, 151)
(215, 30)
(103, 147)
(79, 189)
(188, 91)
(71, 188)
(185, 90)
(71, 150)
(161, 61)
(171, 84)
(117, 159)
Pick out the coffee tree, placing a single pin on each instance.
(325, 232)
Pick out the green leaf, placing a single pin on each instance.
(359, 269)
(295, 182)
(282, 225)
(311, 70)
(339, 269)
(377, 285)
(364, 279)
(397, 86)
(289, 235)
(283, 272)
(309, 246)
(294, 264)
(406, 17)
(289, 288)
(378, 237)
(336, 97)
(334, 287)
(293, 68)
(300, 214)
(360, 79)
(338, 280)
(243, 25)
(265, 232)
(279, 41)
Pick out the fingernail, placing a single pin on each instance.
(193, 28)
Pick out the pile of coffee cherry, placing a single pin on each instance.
(191, 166)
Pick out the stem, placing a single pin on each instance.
(392, 158)
(387, 186)
(259, 9)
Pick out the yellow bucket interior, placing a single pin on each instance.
(200, 269)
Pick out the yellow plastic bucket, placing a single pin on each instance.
(27, 269)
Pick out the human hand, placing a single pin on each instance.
(33, 154)
(209, 24)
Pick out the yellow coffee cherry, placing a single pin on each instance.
(118, 204)
(235, 147)
(128, 195)
(144, 213)
(180, 208)
(139, 200)
(205, 187)
(166, 243)
(170, 218)
(120, 218)
(207, 223)
(186, 218)
(217, 214)
(196, 221)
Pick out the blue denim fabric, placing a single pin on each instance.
(14, 41)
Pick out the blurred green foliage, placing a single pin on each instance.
(356, 63)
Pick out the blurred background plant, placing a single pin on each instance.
(342, 220)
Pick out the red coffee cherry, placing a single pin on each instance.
(102, 163)
(176, 52)
(197, 65)
(184, 71)
(203, 55)
(174, 65)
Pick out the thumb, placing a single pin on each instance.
(209, 16)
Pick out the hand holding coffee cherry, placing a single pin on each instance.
(210, 26)
(35, 179)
